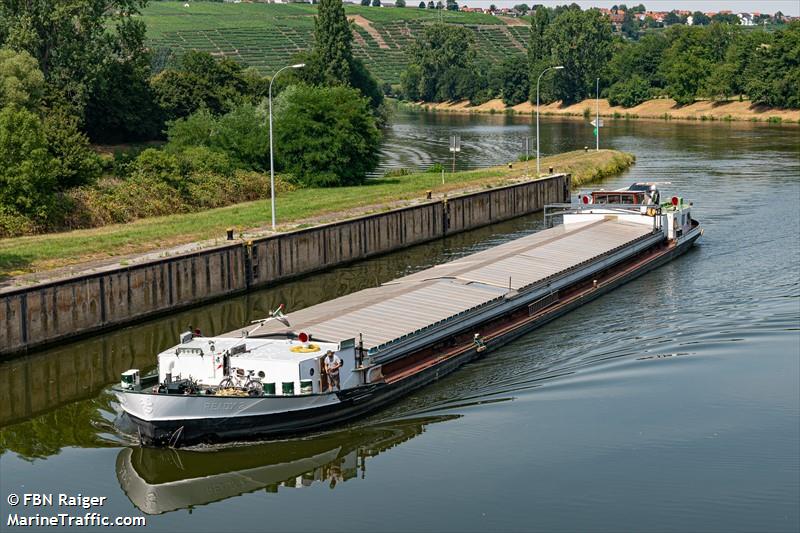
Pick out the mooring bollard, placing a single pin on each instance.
(510, 165)
(585, 148)
(230, 234)
(551, 170)
(428, 194)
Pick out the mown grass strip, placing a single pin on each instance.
(43, 252)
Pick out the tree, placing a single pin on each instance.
(422, 5)
(686, 63)
(241, 134)
(642, 58)
(376, 3)
(399, 3)
(581, 42)
(75, 162)
(773, 73)
(630, 92)
(365, 2)
(21, 81)
(441, 61)
(630, 25)
(68, 38)
(431, 5)
(514, 82)
(122, 104)
(537, 46)
(522, 9)
(331, 61)
(700, 19)
(452, 5)
(671, 18)
(27, 174)
(493, 8)
(326, 136)
(726, 18)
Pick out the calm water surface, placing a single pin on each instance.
(672, 403)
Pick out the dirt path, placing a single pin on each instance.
(513, 21)
(364, 23)
(661, 108)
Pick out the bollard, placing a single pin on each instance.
(230, 234)
(428, 194)
(510, 165)
(585, 148)
(551, 170)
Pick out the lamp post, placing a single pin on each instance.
(559, 67)
(271, 164)
(597, 117)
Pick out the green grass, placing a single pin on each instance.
(306, 206)
(267, 36)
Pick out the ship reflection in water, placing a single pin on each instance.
(159, 480)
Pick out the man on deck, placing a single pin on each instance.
(332, 365)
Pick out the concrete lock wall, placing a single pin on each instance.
(42, 314)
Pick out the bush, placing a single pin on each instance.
(435, 168)
(242, 135)
(76, 162)
(630, 92)
(325, 136)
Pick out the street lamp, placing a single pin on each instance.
(537, 114)
(271, 164)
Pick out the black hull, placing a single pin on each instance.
(355, 403)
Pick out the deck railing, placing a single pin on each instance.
(555, 210)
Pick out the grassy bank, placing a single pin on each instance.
(296, 208)
(660, 108)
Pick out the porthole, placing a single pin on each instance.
(311, 372)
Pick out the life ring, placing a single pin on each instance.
(309, 348)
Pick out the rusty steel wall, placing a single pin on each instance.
(42, 314)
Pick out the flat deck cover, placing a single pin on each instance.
(405, 305)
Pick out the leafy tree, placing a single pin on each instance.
(492, 8)
(441, 60)
(686, 63)
(122, 104)
(365, 2)
(21, 81)
(241, 134)
(773, 74)
(522, 9)
(27, 172)
(514, 82)
(399, 3)
(630, 25)
(331, 60)
(538, 49)
(376, 3)
(630, 92)
(198, 81)
(642, 58)
(452, 5)
(700, 19)
(581, 42)
(726, 18)
(422, 5)
(672, 18)
(325, 136)
(75, 161)
(68, 38)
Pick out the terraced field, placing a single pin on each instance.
(267, 36)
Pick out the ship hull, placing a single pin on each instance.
(185, 420)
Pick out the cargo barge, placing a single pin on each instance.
(274, 377)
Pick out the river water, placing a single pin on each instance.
(671, 403)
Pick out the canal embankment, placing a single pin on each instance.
(659, 108)
(39, 312)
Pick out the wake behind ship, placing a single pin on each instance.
(271, 379)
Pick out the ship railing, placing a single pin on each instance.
(551, 211)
